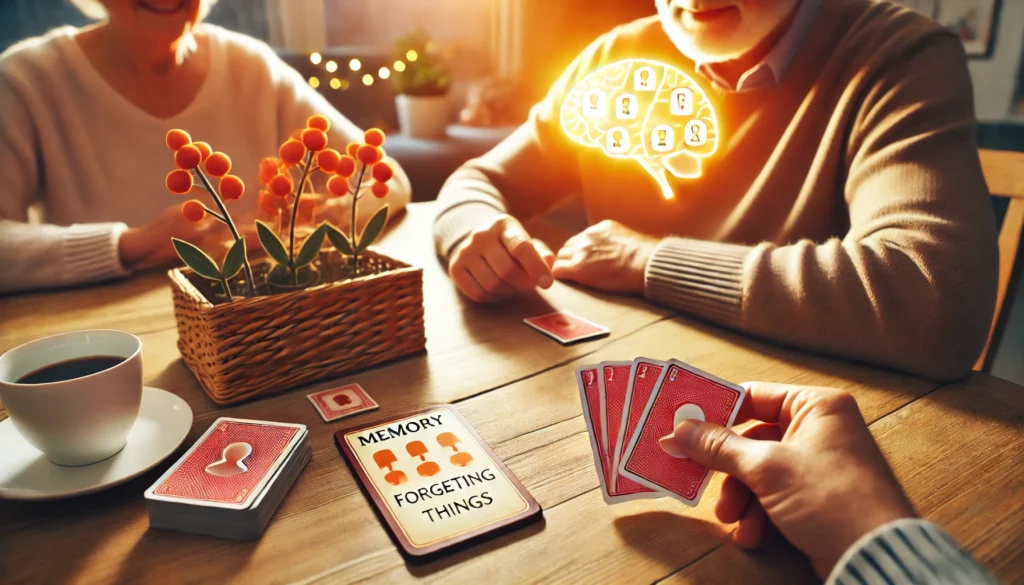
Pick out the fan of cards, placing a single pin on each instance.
(232, 480)
(628, 406)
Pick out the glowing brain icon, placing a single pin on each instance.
(647, 111)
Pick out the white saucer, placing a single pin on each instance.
(26, 474)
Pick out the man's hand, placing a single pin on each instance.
(499, 260)
(149, 246)
(606, 256)
(811, 468)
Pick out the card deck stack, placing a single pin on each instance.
(628, 406)
(232, 480)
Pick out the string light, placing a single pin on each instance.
(384, 73)
(335, 83)
(355, 65)
(331, 66)
(344, 84)
(411, 55)
(399, 66)
(315, 58)
(314, 82)
(367, 79)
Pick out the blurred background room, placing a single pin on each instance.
(459, 75)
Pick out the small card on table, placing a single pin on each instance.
(347, 400)
(566, 327)
(434, 482)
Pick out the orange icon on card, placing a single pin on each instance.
(450, 440)
(418, 449)
(385, 459)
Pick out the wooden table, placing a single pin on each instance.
(958, 449)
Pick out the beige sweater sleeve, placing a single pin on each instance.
(912, 284)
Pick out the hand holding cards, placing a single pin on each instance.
(232, 480)
(629, 406)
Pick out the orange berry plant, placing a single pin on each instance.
(362, 157)
(189, 157)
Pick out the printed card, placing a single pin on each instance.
(347, 400)
(566, 327)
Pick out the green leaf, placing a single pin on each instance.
(311, 247)
(196, 259)
(340, 240)
(373, 229)
(234, 258)
(271, 243)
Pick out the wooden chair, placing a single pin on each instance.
(1004, 173)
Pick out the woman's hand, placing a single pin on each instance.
(499, 260)
(606, 256)
(811, 468)
(149, 246)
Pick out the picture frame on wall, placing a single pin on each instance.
(974, 21)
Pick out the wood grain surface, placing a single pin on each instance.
(958, 449)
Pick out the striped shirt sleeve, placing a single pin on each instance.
(908, 551)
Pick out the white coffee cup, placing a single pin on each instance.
(81, 420)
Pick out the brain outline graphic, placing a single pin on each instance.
(594, 127)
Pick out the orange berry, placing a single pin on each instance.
(338, 185)
(380, 190)
(382, 172)
(352, 148)
(291, 152)
(319, 122)
(204, 149)
(193, 210)
(369, 154)
(346, 167)
(179, 181)
(271, 203)
(175, 139)
(314, 139)
(188, 157)
(281, 185)
(374, 137)
(269, 167)
(231, 187)
(328, 159)
(218, 164)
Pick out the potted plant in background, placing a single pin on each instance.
(305, 313)
(422, 88)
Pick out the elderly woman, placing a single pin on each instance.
(83, 114)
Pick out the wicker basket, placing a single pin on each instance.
(256, 346)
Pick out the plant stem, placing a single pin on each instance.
(249, 281)
(219, 217)
(355, 199)
(295, 213)
(227, 289)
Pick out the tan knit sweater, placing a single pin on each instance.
(845, 210)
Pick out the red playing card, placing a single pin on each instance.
(589, 386)
(643, 378)
(614, 383)
(342, 401)
(201, 475)
(683, 392)
(566, 327)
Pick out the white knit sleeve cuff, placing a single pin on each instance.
(90, 252)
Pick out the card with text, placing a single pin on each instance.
(434, 482)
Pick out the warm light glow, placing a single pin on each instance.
(344, 84)
(314, 82)
(399, 66)
(411, 55)
(315, 58)
(384, 73)
(331, 66)
(355, 64)
(367, 79)
(335, 83)
(646, 111)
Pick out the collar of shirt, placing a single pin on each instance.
(770, 70)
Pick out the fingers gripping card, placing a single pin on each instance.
(435, 483)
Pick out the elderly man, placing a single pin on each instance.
(844, 212)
